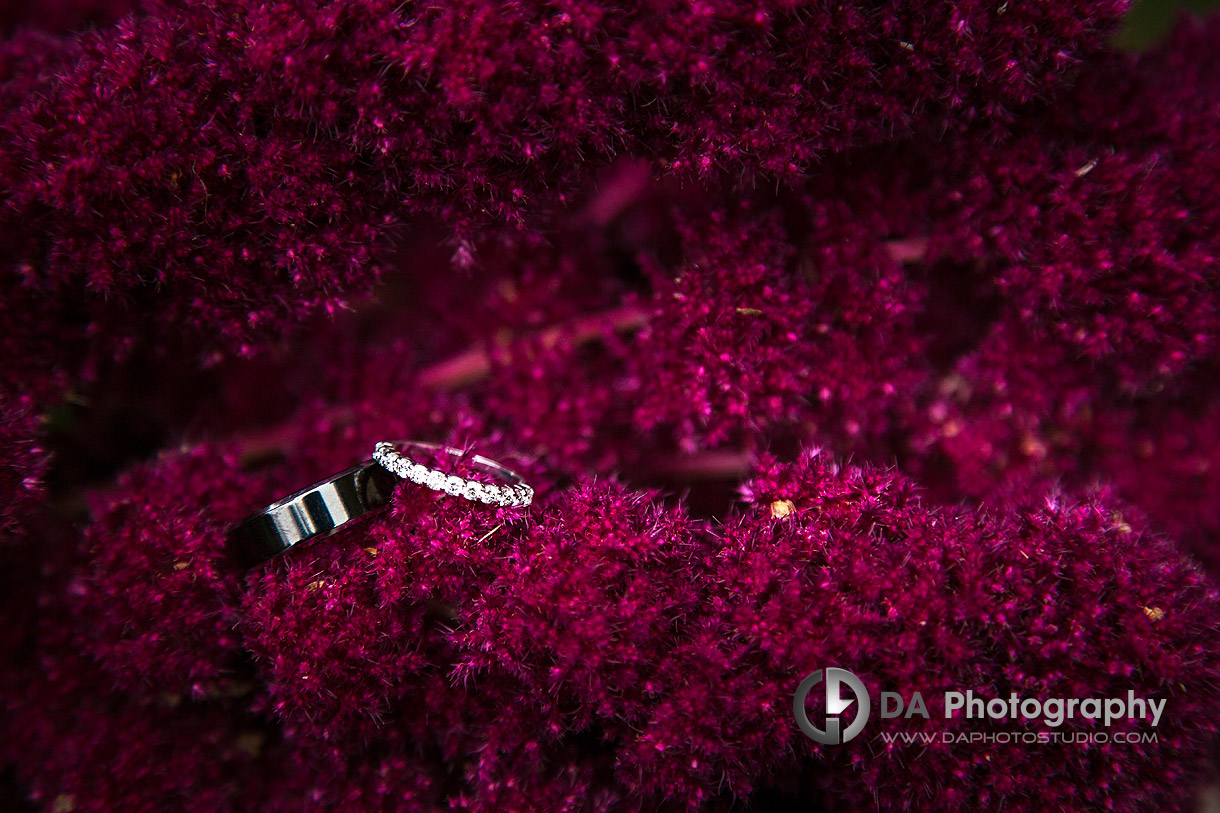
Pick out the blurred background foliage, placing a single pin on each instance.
(1150, 21)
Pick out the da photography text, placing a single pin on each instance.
(848, 707)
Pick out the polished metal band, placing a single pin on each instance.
(513, 494)
(311, 513)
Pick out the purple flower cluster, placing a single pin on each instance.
(24, 465)
(252, 148)
(881, 336)
(633, 654)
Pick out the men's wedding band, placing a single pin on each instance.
(315, 512)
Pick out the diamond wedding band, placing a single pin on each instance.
(514, 493)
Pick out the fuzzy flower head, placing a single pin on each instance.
(881, 337)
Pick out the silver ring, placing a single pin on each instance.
(514, 494)
(318, 511)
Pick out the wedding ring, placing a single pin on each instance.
(514, 493)
(330, 505)
(315, 512)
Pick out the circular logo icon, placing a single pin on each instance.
(836, 680)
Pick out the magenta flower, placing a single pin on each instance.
(882, 338)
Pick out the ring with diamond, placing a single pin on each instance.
(513, 494)
(318, 511)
